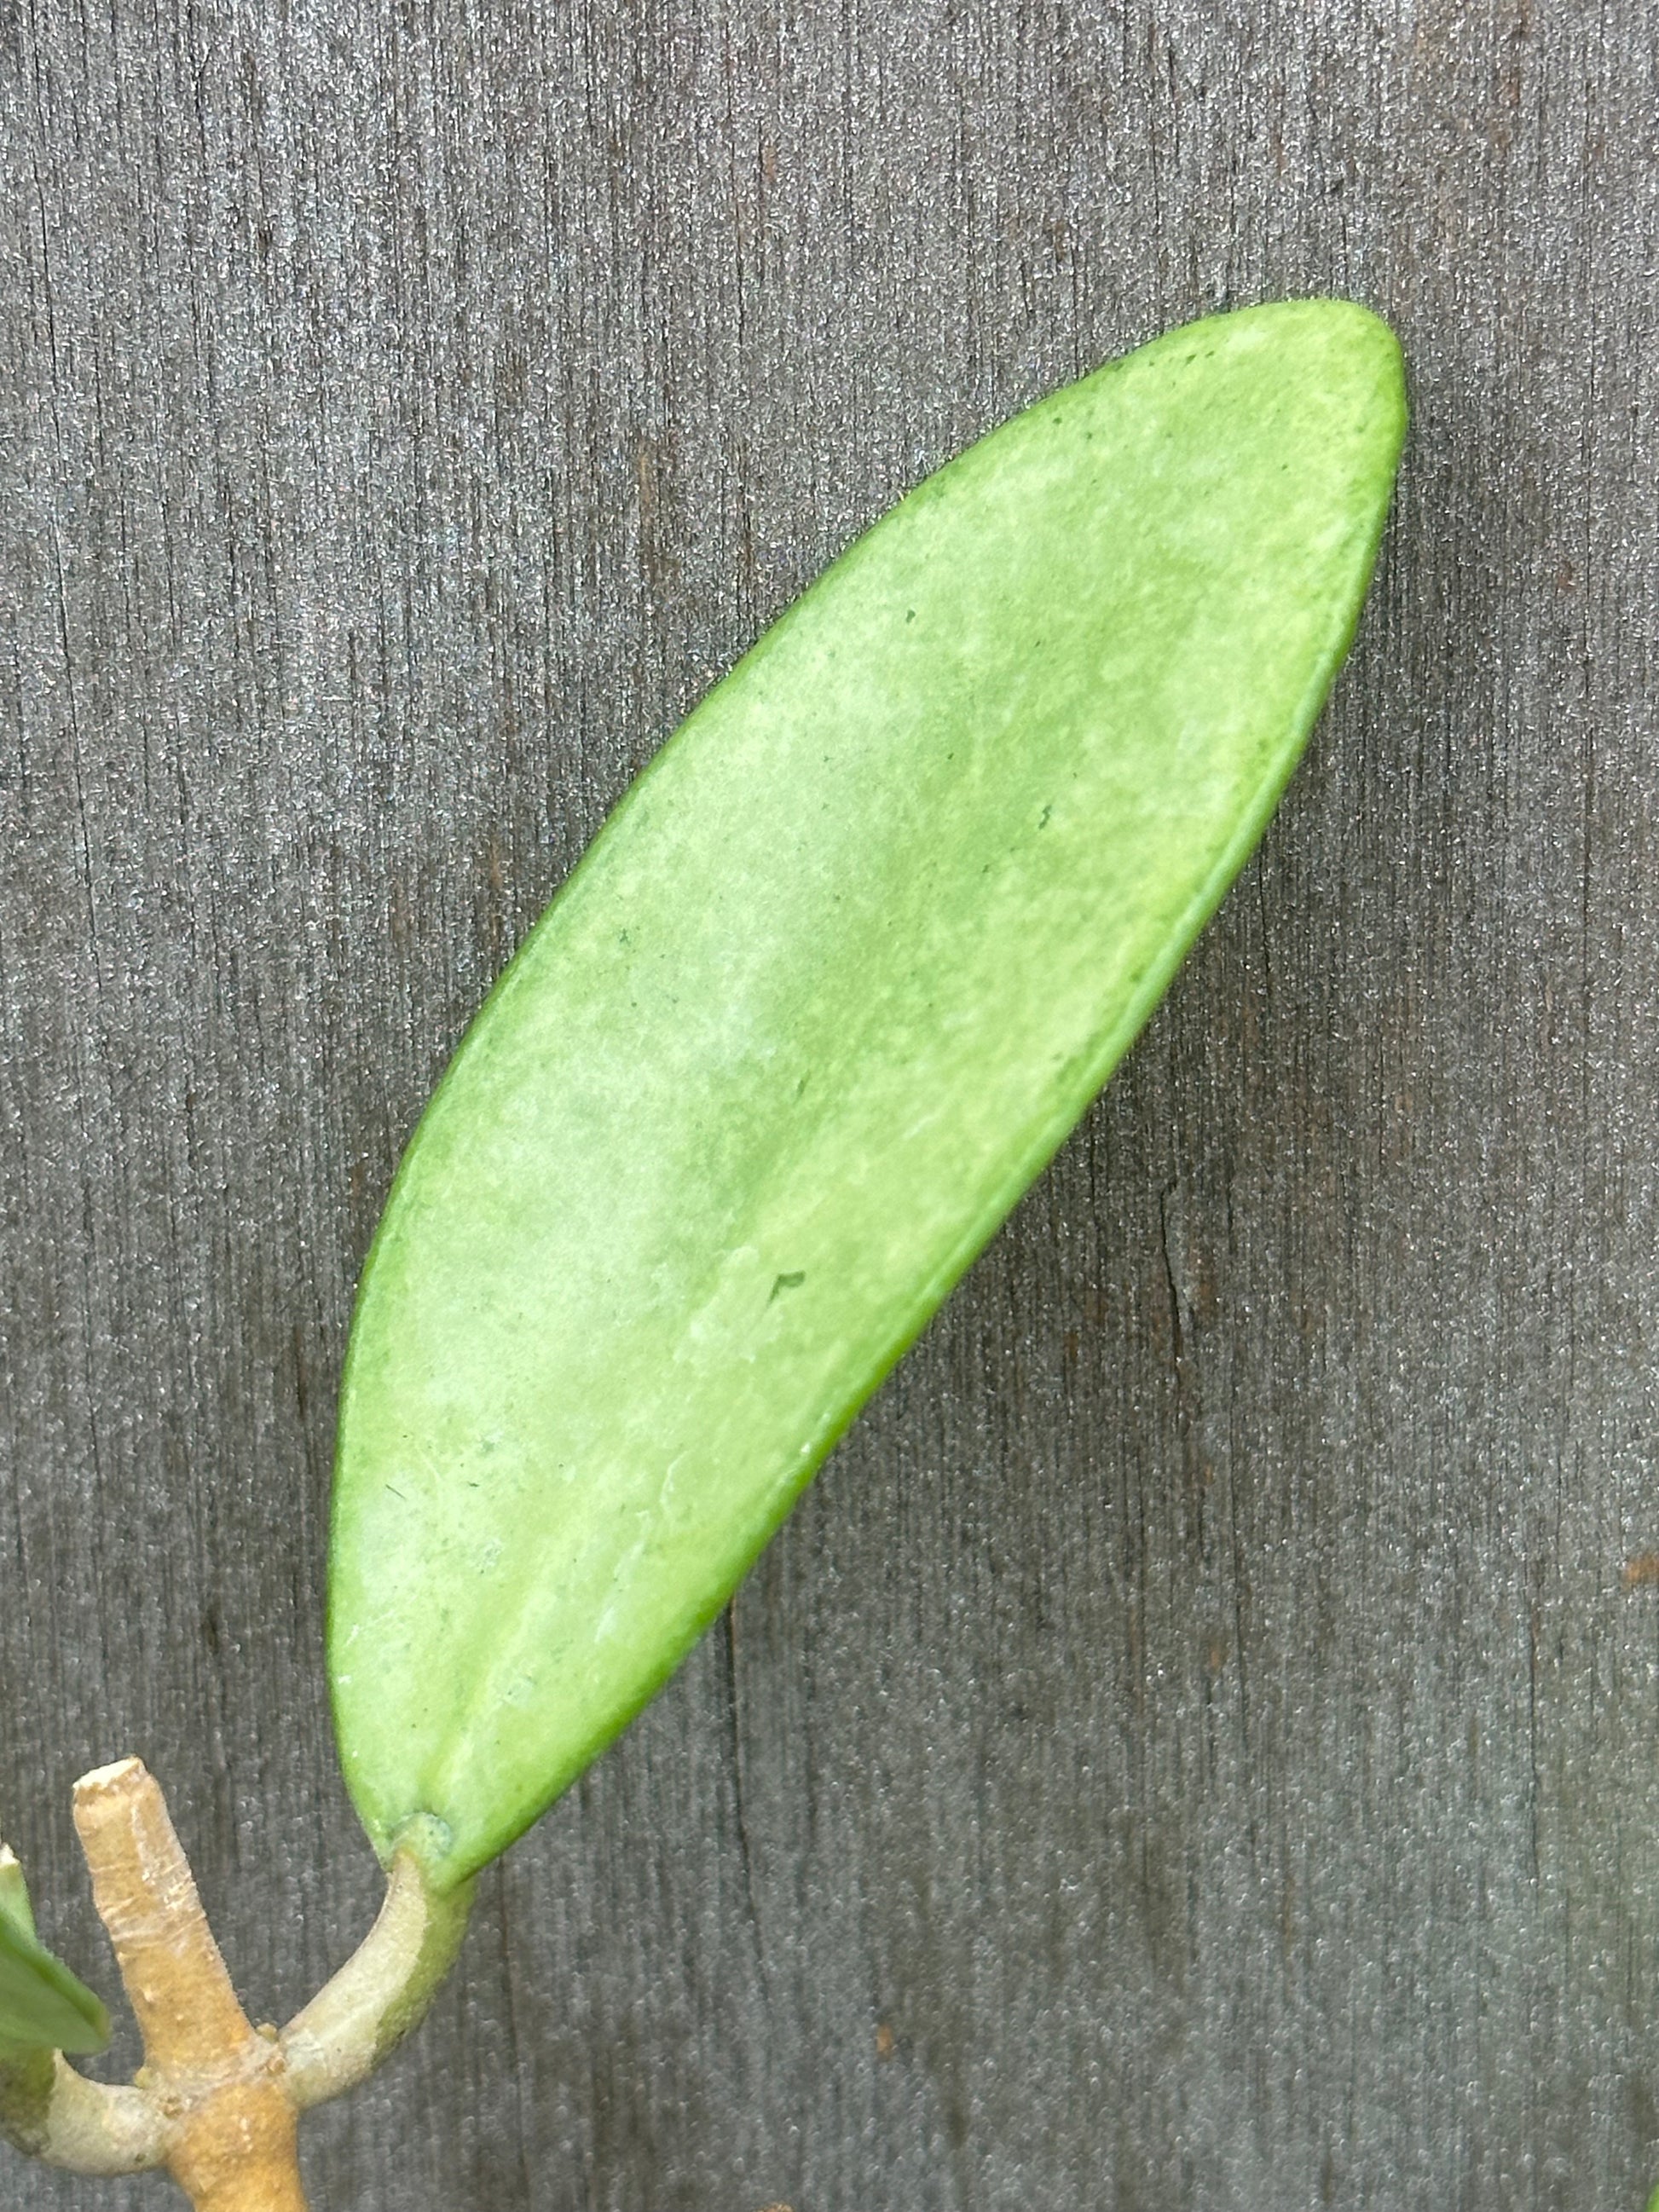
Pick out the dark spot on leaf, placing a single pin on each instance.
(787, 1283)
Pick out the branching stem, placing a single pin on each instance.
(216, 2099)
(217, 2083)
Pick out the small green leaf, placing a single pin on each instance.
(42, 2005)
(14, 1904)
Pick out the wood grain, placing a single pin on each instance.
(1195, 1747)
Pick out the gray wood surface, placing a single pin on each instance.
(1198, 1746)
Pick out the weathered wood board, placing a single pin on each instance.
(1199, 1746)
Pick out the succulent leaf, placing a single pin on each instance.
(42, 2005)
(836, 978)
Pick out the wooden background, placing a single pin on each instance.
(1197, 1750)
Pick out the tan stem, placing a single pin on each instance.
(216, 2099)
(216, 2080)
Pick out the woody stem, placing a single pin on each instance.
(216, 2099)
(216, 2081)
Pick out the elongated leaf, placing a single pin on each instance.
(840, 974)
(42, 2005)
(14, 1906)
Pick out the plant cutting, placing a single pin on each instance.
(830, 986)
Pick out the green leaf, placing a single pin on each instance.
(42, 2005)
(15, 1905)
(837, 977)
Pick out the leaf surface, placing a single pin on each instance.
(836, 978)
(42, 2005)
